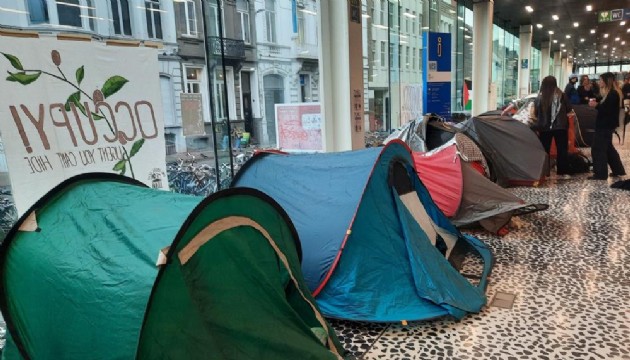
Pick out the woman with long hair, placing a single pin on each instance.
(585, 90)
(551, 109)
(602, 150)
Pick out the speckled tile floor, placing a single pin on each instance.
(569, 267)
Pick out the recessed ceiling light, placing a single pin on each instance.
(605, 46)
(617, 39)
(529, 8)
(623, 23)
(606, 36)
(561, 45)
(555, 17)
(589, 8)
(576, 24)
(623, 43)
(539, 26)
(580, 54)
(568, 36)
(628, 30)
(565, 50)
(550, 32)
(582, 40)
(555, 41)
(592, 31)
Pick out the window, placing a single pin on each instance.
(219, 95)
(407, 57)
(76, 13)
(270, 20)
(120, 17)
(213, 21)
(407, 20)
(193, 80)
(413, 23)
(243, 12)
(373, 49)
(154, 18)
(38, 11)
(305, 88)
(301, 28)
(383, 54)
(69, 12)
(168, 105)
(383, 12)
(189, 17)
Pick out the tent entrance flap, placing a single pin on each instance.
(434, 277)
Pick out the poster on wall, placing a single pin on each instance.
(192, 114)
(62, 114)
(299, 127)
(437, 73)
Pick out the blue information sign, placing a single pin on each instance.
(436, 75)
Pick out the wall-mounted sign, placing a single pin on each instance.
(614, 15)
(524, 63)
(299, 127)
(436, 73)
(64, 115)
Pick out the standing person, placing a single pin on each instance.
(585, 90)
(626, 87)
(570, 91)
(602, 150)
(551, 109)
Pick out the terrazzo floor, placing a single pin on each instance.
(569, 268)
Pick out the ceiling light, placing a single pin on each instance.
(605, 36)
(592, 31)
(628, 30)
(555, 41)
(568, 36)
(580, 54)
(582, 40)
(565, 50)
(605, 46)
(529, 8)
(561, 45)
(539, 26)
(622, 23)
(550, 32)
(617, 39)
(576, 24)
(555, 17)
(623, 43)
(589, 8)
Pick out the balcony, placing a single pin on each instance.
(233, 49)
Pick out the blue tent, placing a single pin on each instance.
(375, 246)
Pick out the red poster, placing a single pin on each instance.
(299, 127)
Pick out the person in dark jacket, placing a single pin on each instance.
(602, 150)
(551, 109)
(585, 90)
(626, 87)
(570, 91)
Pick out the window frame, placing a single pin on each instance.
(119, 16)
(185, 13)
(156, 18)
(270, 22)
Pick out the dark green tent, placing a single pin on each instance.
(79, 278)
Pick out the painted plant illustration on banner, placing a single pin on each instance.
(74, 107)
(111, 86)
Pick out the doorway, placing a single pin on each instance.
(274, 94)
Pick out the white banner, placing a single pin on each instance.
(72, 107)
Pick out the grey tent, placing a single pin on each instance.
(424, 134)
(512, 149)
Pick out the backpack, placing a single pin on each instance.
(578, 163)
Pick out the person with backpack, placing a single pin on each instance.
(602, 150)
(570, 91)
(550, 110)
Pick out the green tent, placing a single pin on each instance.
(80, 280)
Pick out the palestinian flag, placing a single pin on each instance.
(467, 95)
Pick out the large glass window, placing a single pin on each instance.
(69, 12)
(120, 17)
(153, 18)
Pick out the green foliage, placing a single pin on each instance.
(14, 61)
(23, 78)
(112, 85)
